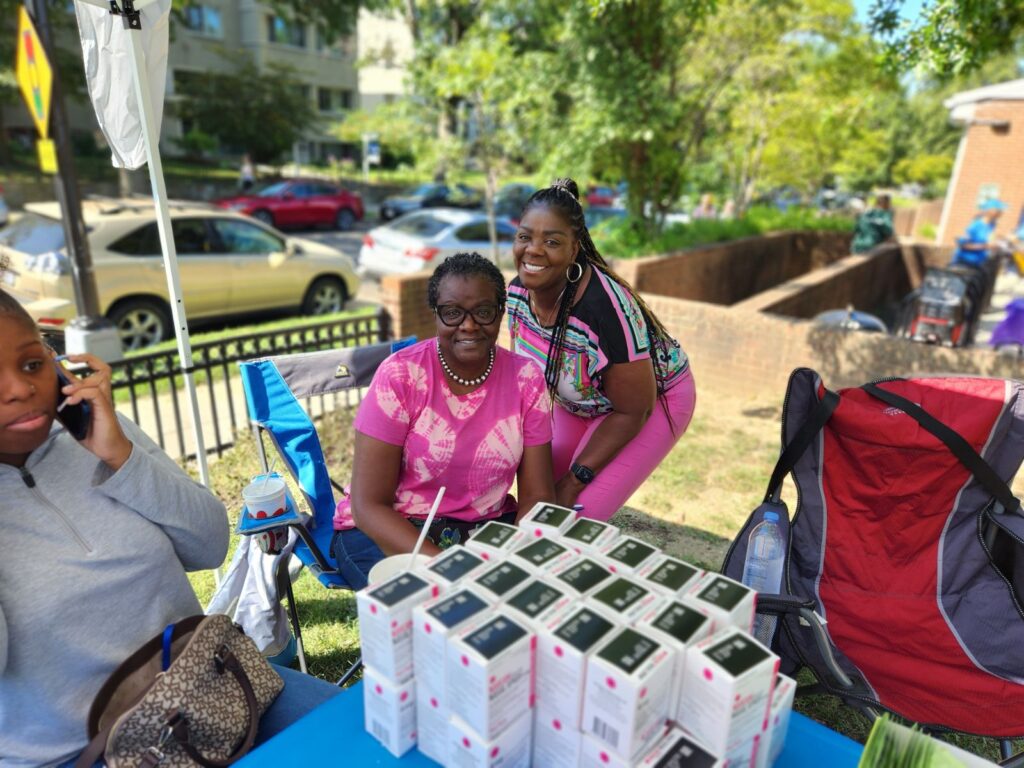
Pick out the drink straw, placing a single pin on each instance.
(426, 526)
(273, 463)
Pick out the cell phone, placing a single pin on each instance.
(75, 418)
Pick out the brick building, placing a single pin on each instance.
(990, 159)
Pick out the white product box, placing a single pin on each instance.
(547, 520)
(489, 664)
(594, 753)
(778, 717)
(749, 753)
(589, 537)
(431, 726)
(385, 622)
(727, 690)
(627, 555)
(628, 683)
(561, 663)
(677, 626)
(583, 576)
(727, 602)
(453, 565)
(500, 581)
(623, 600)
(538, 604)
(556, 744)
(678, 749)
(544, 555)
(669, 575)
(389, 711)
(508, 749)
(495, 540)
(432, 623)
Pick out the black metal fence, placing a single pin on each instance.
(154, 384)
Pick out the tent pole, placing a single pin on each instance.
(151, 134)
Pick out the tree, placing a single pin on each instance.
(262, 113)
(951, 37)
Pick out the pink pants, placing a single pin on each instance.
(634, 463)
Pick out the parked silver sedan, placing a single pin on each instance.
(422, 239)
(229, 265)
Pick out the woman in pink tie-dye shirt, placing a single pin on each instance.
(454, 410)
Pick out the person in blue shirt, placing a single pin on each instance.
(972, 248)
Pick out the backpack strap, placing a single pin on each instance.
(960, 448)
(801, 440)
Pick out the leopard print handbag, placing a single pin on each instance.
(203, 710)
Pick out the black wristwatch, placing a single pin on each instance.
(582, 473)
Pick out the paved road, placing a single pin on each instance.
(349, 243)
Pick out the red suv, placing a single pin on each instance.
(300, 203)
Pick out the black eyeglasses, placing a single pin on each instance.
(453, 315)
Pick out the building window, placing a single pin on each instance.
(389, 98)
(203, 19)
(333, 99)
(285, 32)
(336, 47)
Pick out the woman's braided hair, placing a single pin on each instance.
(563, 196)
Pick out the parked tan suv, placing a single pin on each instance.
(229, 264)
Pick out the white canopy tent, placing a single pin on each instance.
(125, 49)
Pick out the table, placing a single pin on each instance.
(334, 732)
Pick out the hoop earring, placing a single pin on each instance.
(579, 274)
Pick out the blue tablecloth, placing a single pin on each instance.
(334, 732)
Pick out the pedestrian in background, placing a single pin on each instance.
(246, 174)
(874, 226)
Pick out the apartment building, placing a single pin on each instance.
(385, 48)
(210, 28)
(325, 68)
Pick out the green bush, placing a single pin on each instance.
(627, 238)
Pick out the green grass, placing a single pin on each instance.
(625, 238)
(692, 506)
(284, 328)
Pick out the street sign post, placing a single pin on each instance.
(371, 153)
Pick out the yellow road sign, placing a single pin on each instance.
(35, 78)
(47, 152)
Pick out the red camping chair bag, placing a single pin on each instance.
(907, 541)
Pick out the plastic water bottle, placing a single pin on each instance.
(762, 570)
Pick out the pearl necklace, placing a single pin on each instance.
(466, 382)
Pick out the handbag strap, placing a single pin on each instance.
(959, 447)
(226, 660)
(801, 440)
(177, 726)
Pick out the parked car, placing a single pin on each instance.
(4, 211)
(229, 265)
(432, 195)
(300, 203)
(422, 239)
(510, 200)
(601, 196)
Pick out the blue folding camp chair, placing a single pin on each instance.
(274, 387)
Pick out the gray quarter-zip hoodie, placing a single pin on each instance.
(92, 565)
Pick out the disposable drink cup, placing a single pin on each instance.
(265, 497)
(394, 565)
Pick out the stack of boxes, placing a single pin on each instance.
(560, 642)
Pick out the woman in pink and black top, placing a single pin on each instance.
(621, 383)
(456, 411)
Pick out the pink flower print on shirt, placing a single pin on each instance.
(406, 375)
(494, 457)
(431, 446)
